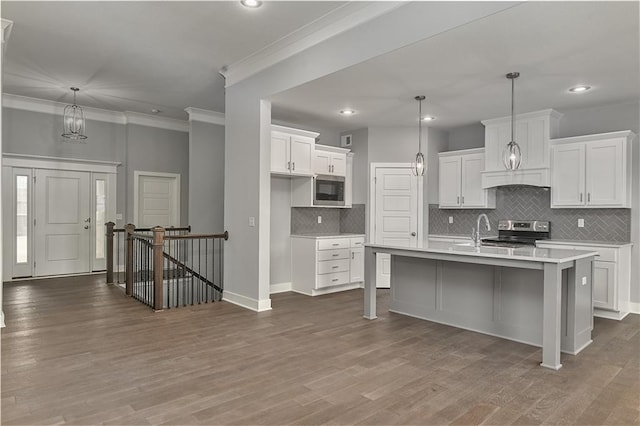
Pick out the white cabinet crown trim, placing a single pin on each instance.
(525, 116)
(595, 137)
(292, 131)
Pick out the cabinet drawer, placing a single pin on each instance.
(328, 280)
(357, 242)
(333, 243)
(330, 266)
(333, 254)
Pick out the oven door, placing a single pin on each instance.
(328, 190)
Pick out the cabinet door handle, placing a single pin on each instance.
(463, 199)
(294, 165)
(458, 199)
(288, 165)
(353, 255)
(413, 234)
(588, 197)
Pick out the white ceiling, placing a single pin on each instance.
(135, 56)
(554, 45)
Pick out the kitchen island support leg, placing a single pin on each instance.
(551, 321)
(369, 284)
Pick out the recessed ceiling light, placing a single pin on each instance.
(428, 118)
(155, 111)
(347, 112)
(251, 3)
(579, 89)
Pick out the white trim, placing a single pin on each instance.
(525, 116)
(634, 308)
(127, 117)
(155, 121)
(57, 108)
(587, 138)
(176, 193)
(280, 288)
(330, 148)
(7, 26)
(293, 131)
(247, 302)
(205, 116)
(337, 21)
(73, 164)
(461, 152)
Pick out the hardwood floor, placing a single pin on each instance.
(78, 351)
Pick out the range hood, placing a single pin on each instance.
(533, 177)
(533, 133)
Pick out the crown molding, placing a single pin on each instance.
(57, 108)
(155, 121)
(7, 25)
(96, 114)
(205, 116)
(333, 23)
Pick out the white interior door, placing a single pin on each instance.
(62, 231)
(396, 214)
(157, 200)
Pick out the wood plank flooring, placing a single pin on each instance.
(78, 351)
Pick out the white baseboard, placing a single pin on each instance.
(634, 307)
(279, 288)
(247, 302)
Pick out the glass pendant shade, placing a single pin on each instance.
(73, 120)
(419, 165)
(512, 156)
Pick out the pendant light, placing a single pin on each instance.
(419, 166)
(73, 120)
(512, 156)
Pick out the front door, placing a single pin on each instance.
(62, 232)
(396, 214)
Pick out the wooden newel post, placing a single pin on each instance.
(158, 267)
(128, 272)
(109, 256)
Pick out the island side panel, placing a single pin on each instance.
(369, 283)
(578, 324)
(551, 332)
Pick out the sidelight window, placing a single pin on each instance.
(101, 210)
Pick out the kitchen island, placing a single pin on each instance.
(531, 295)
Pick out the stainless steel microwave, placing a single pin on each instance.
(328, 190)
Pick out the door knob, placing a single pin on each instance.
(86, 227)
(413, 234)
(88, 219)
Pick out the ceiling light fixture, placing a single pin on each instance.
(418, 165)
(347, 112)
(253, 4)
(73, 120)
(428, 118)
(579, 89)
(512, 156)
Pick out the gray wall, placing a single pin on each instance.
(280, 243)
(466, 137)
(206, 177)
(36, 133)
(360, 149)
(151, 149)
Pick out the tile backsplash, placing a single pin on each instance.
(304, 220)
(533, 203)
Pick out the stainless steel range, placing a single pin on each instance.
(517, 233)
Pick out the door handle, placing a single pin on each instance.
(88, 219)
(86, 227)
(413, 234)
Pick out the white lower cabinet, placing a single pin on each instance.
(322, 265)
(611, 276)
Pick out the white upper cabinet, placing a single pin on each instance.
(532, 133)
(592, 171)
(459, 180)
(330, 160)
(292, 151)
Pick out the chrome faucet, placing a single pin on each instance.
(475, 234)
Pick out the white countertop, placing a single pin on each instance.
(527, 253)
(328, 235)
(586, 243)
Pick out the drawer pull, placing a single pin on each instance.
(334, 280)
(335, 267)
(335, 244)
(335, 255)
